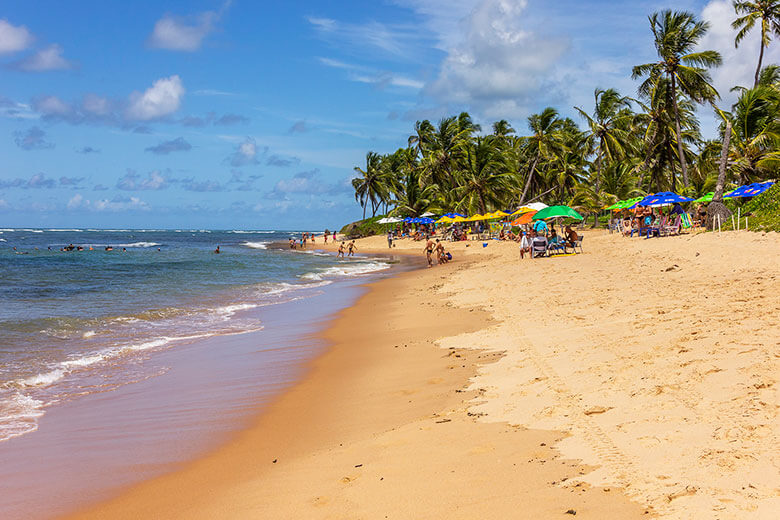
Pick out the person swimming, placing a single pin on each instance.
(216, 251)
(109, 248)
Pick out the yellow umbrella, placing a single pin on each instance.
(520, 211)
(460, 219)
(444, 220)
(474, 218)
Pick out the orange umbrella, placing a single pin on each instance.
(525, 218)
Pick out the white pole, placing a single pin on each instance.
(746, 223)
(718, 223)
(738, 210)
(733, 226)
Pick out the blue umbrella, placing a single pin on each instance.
(453, 215)
(750, 190)
(662, 198)
(424, 220)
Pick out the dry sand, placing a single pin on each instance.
(467, 390)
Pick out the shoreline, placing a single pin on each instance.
(363, 422)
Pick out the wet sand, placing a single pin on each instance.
(381, 427)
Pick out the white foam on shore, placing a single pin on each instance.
(19, 415)
(346, 270)
(256, 245)
(88, 334)
(138, 244)
(44, 379)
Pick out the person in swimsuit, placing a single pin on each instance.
(441, 256)
(428, 252)
(341, 251)
(351, 249)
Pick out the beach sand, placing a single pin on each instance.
(636, 380)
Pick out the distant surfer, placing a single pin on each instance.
(216, 251)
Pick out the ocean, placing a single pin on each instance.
(81, 326)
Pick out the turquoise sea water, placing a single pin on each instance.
(79, 322)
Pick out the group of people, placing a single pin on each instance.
(645, 220)
(436, 249)
(350, 249)
(542, 238)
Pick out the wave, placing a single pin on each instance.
(256, 245)
(139, 244)
(354, 269)
(3, 240)
(19, 415)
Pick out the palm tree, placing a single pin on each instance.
(423, 130)
(756, 133)
(765, 11)
(607, 132)
(486, 176)
(545, 127)
(676, 36)
(369, 185)
(444, 150)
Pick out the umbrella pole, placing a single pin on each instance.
(739, 208)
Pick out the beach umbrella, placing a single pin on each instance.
(459, 218)
(453, 215)
(444, 220)
(662, 198)
(538, 206)
(520, 211)
(556, 211)
(427, 214)
(475, 217)
(424, 220)
(750, 190)
(394, 220)
(525, 218)
(707, 197)
(623, 204)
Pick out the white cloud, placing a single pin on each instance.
(497, 65)
(739, 64)
(372, 76)
(161, 99)
(51, 106)
(120, 204)
(394, 40)
(244, 154)
(178, 33)
(76, 201)
(3, 204)
(48, 58)
(13, 38)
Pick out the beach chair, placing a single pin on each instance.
(577, 244)
(558, 247)
(671, 228)
(685, 222)
(539, 247)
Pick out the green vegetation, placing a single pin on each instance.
(629, 146)
(764, 210)
(364, 228)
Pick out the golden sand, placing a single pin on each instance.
(472, 390)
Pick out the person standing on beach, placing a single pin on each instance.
(390, 238)
(351, 249)
(440, 253)
(429, 252)
(341, 251)
(327, 232)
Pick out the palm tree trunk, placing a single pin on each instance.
(724, 154)
(598, 171)
(760, 59)
(365, 203)
(530, 176)
(716, 208)
(683, 166)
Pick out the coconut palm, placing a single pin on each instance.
(485, 176)
(369, 185)
(607, 126)
(767, 12)
(676, 36)
(545, 127)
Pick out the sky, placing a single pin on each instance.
(253, 115)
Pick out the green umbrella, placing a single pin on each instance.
(623, 204)
(557, 211)
(705, 198)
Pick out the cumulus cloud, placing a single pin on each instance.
(298, 128)
(37, 181)
(161, 99)
(132, 181)
(118, 203)
(75, 201)
(201, 186)
(166, 147)
(739, 64)
(498, 63)
(231, 119)
(33, 139)
(184, 33)
(245, 154)
(46, 59)
(13, 38)
(70, 181)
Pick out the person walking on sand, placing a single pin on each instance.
(327, 232)
(341, 251)
(440, 258)
(429, 252)
(390, 238)
(352, 248)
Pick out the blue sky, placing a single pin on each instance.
(252, 115)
